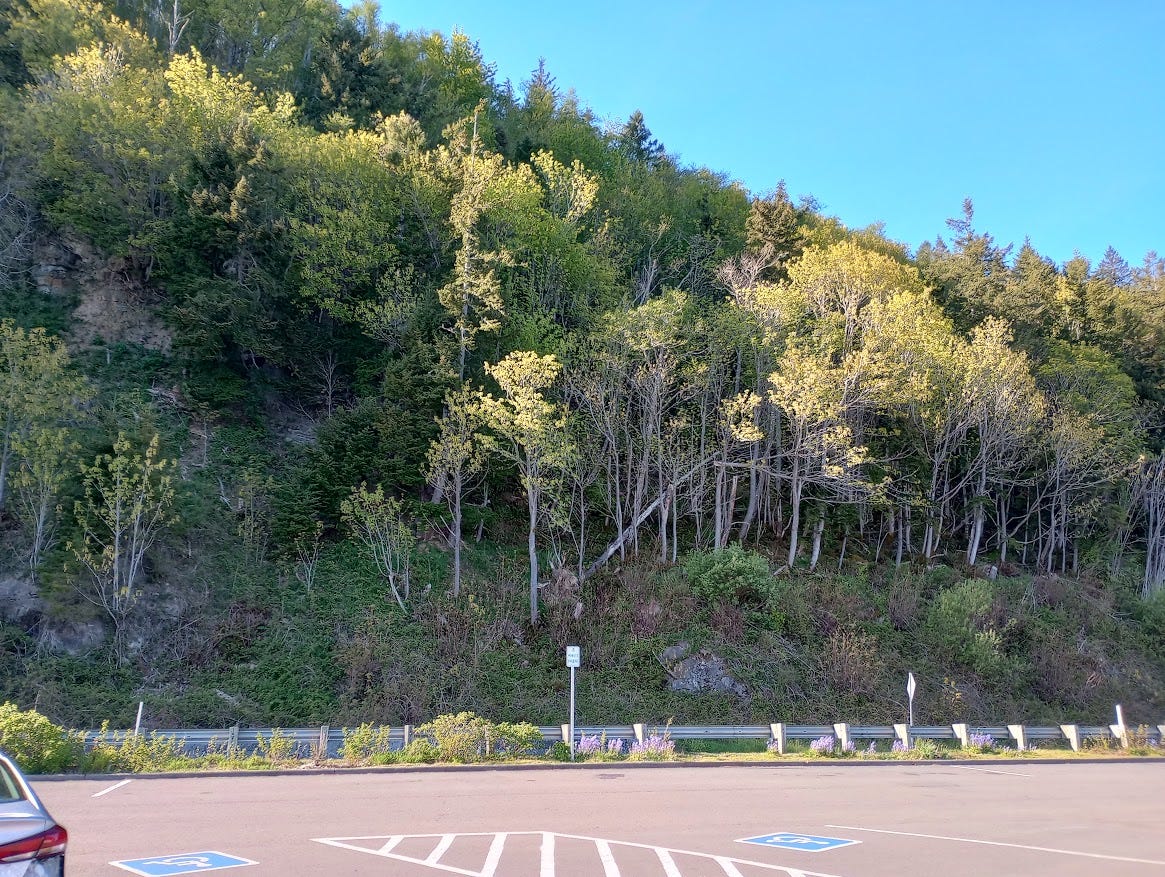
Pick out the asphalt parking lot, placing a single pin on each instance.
(844, 819)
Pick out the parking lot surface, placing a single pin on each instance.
(842, 819)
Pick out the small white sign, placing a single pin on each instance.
(573, 656)
(910, 685)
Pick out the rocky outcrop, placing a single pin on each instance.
(701, 672)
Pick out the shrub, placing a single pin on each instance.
(365, 744)
(520, 738)
(467, 737)
(732, 575)
(959, 625)
(35, 743)
(277, 746)
(559, 751)
(126, 752)
(419, 751)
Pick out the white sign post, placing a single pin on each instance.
(573, 661)
(910, 688)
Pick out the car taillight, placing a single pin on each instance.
(39, 846)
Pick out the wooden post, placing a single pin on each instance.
(841, 731)
(408, 734)
(1019, 735)
(902, 733)
(639, 731)
(1072, 732)
(777, 729)
(962, 734)
(323, 747)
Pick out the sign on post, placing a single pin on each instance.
(911, 686)
(573, 661)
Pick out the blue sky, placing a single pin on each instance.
(1049, 115)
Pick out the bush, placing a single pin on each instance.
(467, 737)
(518, 738)
(959, 625)
(126, 752)
(35, 743)
(419, 751)
(559, 751)
(276, 747)
(366, 744)
(732, 575)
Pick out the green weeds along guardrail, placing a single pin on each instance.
(465, 738)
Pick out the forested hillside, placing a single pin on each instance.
(344, 382)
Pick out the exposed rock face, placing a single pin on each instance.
(703, 671)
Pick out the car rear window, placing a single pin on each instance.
(9, 788)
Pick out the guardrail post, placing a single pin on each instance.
(1121, 732)
(902, 733)
(323, 748)
(233, 738)
(1161, 735)
(408, 734)
(639, 731)
(566, 734)
(1019, 735)
(962, 734)
(1072, 732)
(841, 731)
(777, 729)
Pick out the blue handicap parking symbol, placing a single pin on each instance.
(182, 863)
(788, 840)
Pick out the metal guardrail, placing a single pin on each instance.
(327, 740)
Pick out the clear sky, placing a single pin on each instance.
(1049, 115)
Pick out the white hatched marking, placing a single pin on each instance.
(440, 849)
(392, 842)
(547, 852)
(669, 864)
(730, 869)
(547, 867)
(610, 869)
(494, 855)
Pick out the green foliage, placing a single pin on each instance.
(559, 751)
(961, 625)
(419, 751)
(126, 752)
(35, 743)
(366, 744)
(466, 737)
(733, 574)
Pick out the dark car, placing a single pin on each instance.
(31, 842)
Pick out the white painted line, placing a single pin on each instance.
(440, 850)
(494, 855)
(111, 788)
(547, 866)
(392, 842)
(1010, 773)
(669, 864)
(730, 869)
(547, 852)
(995, 843)
(610, 869)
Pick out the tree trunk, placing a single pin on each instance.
(531, 546)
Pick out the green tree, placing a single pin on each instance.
(378, 522)
(127, 502)
(529, 431)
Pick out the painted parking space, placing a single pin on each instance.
(805, 843)
(182, 863)
(549, 854)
